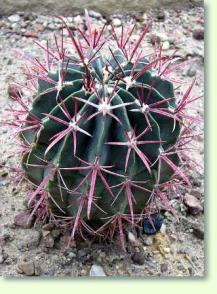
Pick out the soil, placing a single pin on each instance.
(178, 249)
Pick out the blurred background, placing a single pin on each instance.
(103, 6)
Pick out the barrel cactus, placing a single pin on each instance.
(102, 131)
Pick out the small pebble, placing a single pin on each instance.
(131, 238)
(138, 258)
(23, 220)
(14, 18)
(161, 15)
(164, 267)
(191, 271)
(94, 14)
(163, 229)
(194, 192)
(191, 72)
(116, 22)
(193, 204)
(165, 45)
(198, 34)
(166, 250)
(81, 253)
(26, 267)
(148, 240)
(154, 40)
(198, 232)
(30, 34)
(97, 271)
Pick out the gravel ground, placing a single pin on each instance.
(178, 249)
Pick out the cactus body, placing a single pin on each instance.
(102, 133)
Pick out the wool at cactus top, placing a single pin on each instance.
(103, 134)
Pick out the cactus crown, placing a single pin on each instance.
(103, 132)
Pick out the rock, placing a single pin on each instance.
(38, 28)
(138, 258)
(30, 34)
(23, 220)
(193, 204)
(163, 229)
(116, 22)
(154, 39)
(14, 18)
(164, 267)
(152, 224)
(94, 14)
(191, 72)
(166, 249)
(45, 233)
(71, 255)
(191, 271)
(3, 173)
(148, 241)
(198, 34)
(131, 238)
(97, 271)
(34, 239)
(160, 15)
(196, 183)
(165, 45)
(26, 267)
(198, 231)
(194, 192)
